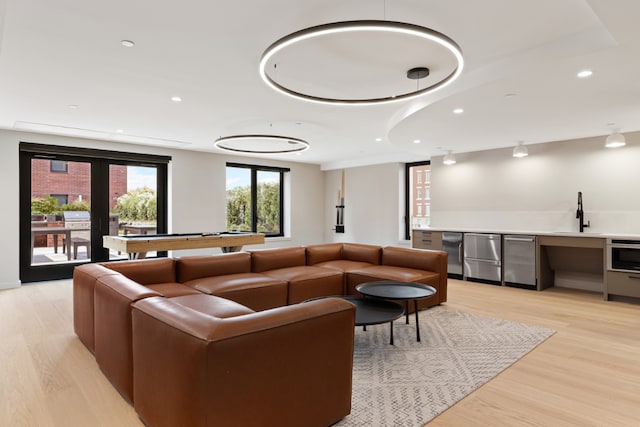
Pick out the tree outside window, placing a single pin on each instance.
(254, 199)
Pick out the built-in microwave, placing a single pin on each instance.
(623, 255)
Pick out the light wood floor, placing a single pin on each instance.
(587, 374)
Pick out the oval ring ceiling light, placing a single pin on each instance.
(262, 144)
(426, 34)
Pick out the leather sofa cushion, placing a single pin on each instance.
(361, 252)
(384, 272)
(169, 290)
(196, 267)
(273, 259)
(254, 290)
(306, 282)
(147, 271)
(343, 265)
(212, 305)
(323, 253)
(304, 272)
(317, 254)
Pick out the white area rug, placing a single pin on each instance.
(409, 383)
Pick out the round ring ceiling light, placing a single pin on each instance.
(430, 46)
(262, 144)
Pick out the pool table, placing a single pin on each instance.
(137, 246)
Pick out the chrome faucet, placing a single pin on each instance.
(580, 214)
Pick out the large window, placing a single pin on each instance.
(417, 188)
(255, 199)
(63, 216)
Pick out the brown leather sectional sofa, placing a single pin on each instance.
(221, 339)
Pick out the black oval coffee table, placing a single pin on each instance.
(397, 290)
(371, 311)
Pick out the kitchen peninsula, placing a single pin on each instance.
(563, 259)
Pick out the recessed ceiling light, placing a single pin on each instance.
(120, 131)
(127, 43)
(73, 106)
(458, 111)
(416, 141)
(176, 99)
(378, 139)
(584, 74)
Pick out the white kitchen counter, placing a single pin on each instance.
(563, 258)
(535, 233)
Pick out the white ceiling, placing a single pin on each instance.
(67, 52)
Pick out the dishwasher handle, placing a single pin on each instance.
(484, 235)
(520, 239)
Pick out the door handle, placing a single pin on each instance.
(634, 277)
(460, 253)
(519, 239)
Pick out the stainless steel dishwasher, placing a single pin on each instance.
(520, 260)
(482, 257)
(452, 245)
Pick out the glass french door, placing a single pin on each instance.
(70, 198)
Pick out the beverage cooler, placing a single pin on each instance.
(483, 257)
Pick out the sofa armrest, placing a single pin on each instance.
(419, 259)
(113, 296)
(84, 280)
(285, 366)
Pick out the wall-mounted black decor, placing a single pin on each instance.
(340, 208)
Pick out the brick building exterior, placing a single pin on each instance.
(71, 181)
(421, 195)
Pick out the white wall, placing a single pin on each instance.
(196, 194)
(373, 196)
(493, 190)
(9, 215)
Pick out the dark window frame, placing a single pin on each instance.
(100, 161)
(407, 195)
(254, 193)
